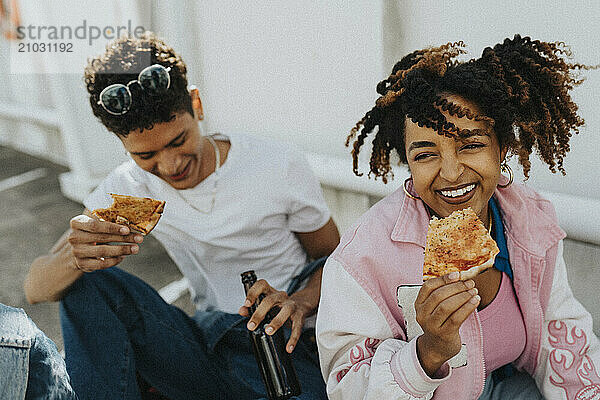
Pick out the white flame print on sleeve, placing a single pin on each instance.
(360, 355)
(579, 379)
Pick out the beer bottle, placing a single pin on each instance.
(274, 362)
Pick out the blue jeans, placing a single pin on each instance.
(114, 324)
(519, 386)
(30, 366)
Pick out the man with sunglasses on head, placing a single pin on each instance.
(233, 203)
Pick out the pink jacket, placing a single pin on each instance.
(366, 325)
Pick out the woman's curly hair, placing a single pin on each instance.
(122, 62)
(521, 87)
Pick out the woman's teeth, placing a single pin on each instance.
(458, 192)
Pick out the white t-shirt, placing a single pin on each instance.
(265, 192)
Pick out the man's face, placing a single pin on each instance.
(172, 150)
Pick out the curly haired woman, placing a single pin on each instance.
(514, 331)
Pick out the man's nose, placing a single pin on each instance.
(169, 163)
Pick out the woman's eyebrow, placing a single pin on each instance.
(421, 143)
(474, 137)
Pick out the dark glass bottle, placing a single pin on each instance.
(274, 362)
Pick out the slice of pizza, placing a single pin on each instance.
(138, 213)
(460, 243)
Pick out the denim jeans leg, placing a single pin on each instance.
(519, 386)
(241, 369)
(114, 324)
(48, 377)
(30, 365)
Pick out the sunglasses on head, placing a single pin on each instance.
(116, 98)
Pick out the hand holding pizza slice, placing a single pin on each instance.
(138, 213)
(460, 243)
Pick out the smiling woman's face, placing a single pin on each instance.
(451, 174)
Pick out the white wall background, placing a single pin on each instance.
(304, 73)
(300, 72)
(45, 110)
(417, 24)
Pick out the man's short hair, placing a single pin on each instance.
(122, 62)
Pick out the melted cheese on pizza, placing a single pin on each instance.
(458, 242)
(139, 213)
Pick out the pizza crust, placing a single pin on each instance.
(474, 271)
(147, 226)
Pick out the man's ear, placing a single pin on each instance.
(196, 102)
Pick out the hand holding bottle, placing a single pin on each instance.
(274, 363)
(292, 308)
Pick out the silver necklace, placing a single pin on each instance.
(214, 189)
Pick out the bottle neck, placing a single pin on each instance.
(248, 280)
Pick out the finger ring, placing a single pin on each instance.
(101, 258)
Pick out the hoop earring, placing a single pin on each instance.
(506, 168)
(406, 190)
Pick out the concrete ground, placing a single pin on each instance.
(35, 214)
